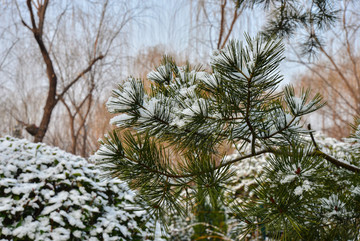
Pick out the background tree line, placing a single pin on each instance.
(59, 59)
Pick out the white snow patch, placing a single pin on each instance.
(288, 178)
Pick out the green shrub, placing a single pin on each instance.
(48, 194)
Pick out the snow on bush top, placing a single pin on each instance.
(48, 194)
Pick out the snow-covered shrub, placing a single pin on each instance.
(48, 194)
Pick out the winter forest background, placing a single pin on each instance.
(60, 61)
(133, 36)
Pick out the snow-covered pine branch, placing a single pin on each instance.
(176, 134)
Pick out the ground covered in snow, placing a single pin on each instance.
(48, 194)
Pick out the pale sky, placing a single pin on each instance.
(169, 24)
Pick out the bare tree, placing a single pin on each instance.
(216, 20)
(199, 26)
(81, 47)
(36, 26)
(81, 98)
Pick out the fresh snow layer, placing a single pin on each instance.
(48, 194)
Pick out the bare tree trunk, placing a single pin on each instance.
(74, 134)
(84, 144)
(52, 97)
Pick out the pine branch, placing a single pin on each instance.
(318, 152)
(197, 113)
(336, 162)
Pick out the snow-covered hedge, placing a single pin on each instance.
(48, 194)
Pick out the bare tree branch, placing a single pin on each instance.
(222, 23)
(331, 159)
(7, 53)
(67, 87)
(339, 72)
(237, 13)
(323, 79)
(100, 26)
(33, 23)
(56, 28)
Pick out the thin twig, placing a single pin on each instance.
(80, 75)
(312, 137)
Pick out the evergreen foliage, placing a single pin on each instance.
(295, 202)
(287, 18)
(168, 142)
(213, 217)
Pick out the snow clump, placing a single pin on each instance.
(48, 194)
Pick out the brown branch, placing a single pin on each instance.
(84, 101)
(222, 23)
(100, 26)
(33, 23)
(67, 107)
(170, 175)
(8, 52)
(25, 24)
(21, 18)
(319, 153)
(80, 75)
(235, 17)
(348, 49)
(32, 129)
(323, 79)
(83, 118)
(41, 14)
(78, 107)
(56, 29)
(339, 72)
(19, 121)
(316, 152)
(75, 134)
(336, 162)
(51, 98)
(273, 151)
(245, 157)
(312, 137)
(82, 125)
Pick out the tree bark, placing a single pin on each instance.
(51, 100)
(50, 72)
(52, 97)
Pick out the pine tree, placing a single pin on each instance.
(168, 144)
(307, 18)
